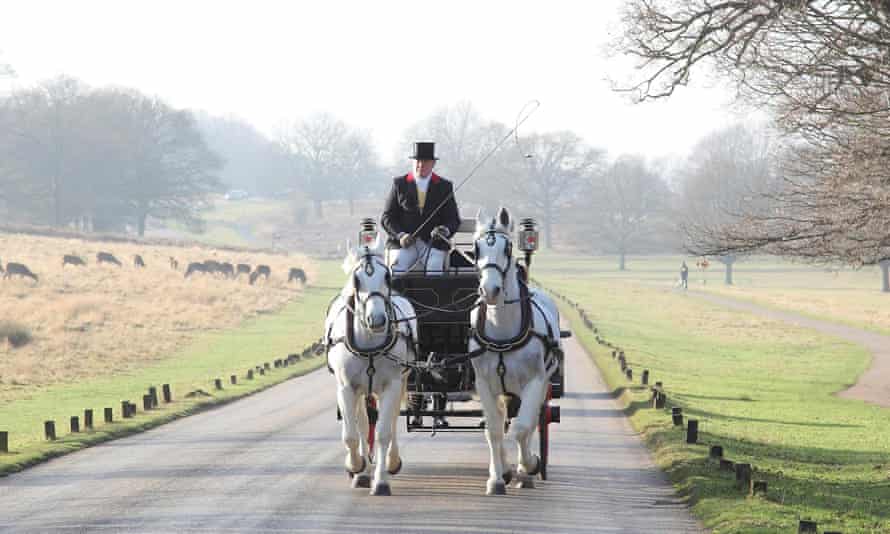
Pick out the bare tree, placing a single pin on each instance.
(822, 68)
(322, 151)
(625, 202)
(358, 169)
(40, 145)
(726, 176)
(557, 169)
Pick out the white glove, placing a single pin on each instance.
(441, 231)
(406, 240)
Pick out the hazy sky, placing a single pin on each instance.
(378, 65)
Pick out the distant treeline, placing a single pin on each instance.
(101, 159)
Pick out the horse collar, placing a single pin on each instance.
(516, 342)
(383, 348)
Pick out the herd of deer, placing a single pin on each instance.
(206, 267)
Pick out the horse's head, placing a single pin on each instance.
(494, 253)
(370, 284)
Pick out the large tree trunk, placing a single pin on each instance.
(885, 276)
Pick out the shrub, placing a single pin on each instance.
(18, 334)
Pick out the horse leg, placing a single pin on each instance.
(494, 434)
(389, 402)
(524, 425)
(355, 463)
(393, 459)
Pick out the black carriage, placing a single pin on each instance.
(441, 388)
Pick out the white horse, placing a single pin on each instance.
(370, 331)
(519, 328)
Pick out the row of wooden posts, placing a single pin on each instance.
(150, 399)
(743, 471)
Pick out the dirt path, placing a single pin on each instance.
(873, 385)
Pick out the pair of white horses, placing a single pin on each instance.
(372, 331)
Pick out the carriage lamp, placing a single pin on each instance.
(528, 235)
(368, 232)
(528, 239)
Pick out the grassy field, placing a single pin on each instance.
(761, 389)
(77, 317)
(850, 296)
(190, 367)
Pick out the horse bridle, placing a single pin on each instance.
(367, 264)
(490, 239)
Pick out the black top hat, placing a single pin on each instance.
(425, 150)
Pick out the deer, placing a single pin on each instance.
(195, 267)
(296, 274)
(106, 257)
(72, 259)
(261, 270)
(137, 261)
(20, 269)
(174, 264)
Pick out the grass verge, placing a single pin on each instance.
(761, 389)
(194, 367)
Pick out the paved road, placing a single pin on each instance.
(273, 463)
(872, 386)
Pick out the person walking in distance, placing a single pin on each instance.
(684, 276)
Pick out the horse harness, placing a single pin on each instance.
(392, 335)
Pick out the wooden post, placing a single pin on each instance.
(75, 424)
(645, 378)
(660, 400)
(807, 527)
(233, 379)
(267, 366)
(677, 416)
(692, 431)
(262, 371)
(218, 383)
(4, 441)
(630, 374)
(146, 402)
(743, 477)
(716, 451)
(153, 391)
(250, 374)
(125, 409)
(109, 415)
(760, 486)
(168, 395)
(614, 354)
(49, 430)
(88, 419)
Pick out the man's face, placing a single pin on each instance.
(423, 167)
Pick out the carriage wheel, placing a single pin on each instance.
(544, 432)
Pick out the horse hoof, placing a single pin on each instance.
(537, 469)
(498, 488)
(527, 483)
(381, 489)
(359, 470)
(361, 481)
(507, 476)
(397, 469)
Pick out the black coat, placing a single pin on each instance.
(402, 214)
